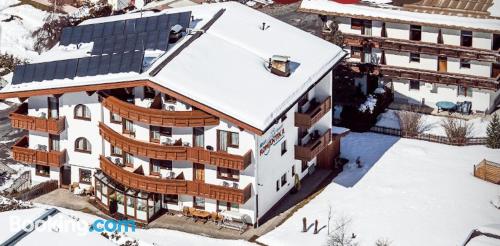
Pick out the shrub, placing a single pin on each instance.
(8, 63)
(456, 130)
(340, 236)
(411, 123)
(383, 242)
(493, 133)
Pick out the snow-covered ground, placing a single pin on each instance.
(389, 119)
(409, 191)
(71, 227)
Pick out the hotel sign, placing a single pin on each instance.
(274, 138)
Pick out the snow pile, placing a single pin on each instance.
(369, 104)
(409, 191)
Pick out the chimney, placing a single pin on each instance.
(280, 65)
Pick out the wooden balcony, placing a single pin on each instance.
(422, 47)
(21, 119)
(171, 152)
(440, 77)
(174, 186)
(315, 112)
(22, 153)
(158, 117)
(313, 147)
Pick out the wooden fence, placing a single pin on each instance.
(488, 171)
(429, 137)
(36, 191)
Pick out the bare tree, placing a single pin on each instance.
(457, 130)
(383, 242)
(341, 236)
(412, 123)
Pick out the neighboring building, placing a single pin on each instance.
(427, 51)
(226, 117)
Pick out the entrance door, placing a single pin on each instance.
(442, 64)
(65, 176)
(198, 172)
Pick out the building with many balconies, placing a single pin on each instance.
(206, 107)
(427, 51)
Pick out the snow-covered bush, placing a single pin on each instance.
(368, 105)
(411, 123)
(383, 242)
(456, 130)
(8, 63)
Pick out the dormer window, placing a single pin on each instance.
(280, 65)
(175, 34)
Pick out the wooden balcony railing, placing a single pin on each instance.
(440, 77)
(174, 186)
(20, 119)
(313, 147)
(170, 152)
(22, 153)
(158, 117)
(422, 47)
(315, 112)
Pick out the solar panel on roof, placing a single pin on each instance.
(130, 42)
(29, 72)
(60, 69)
(93, 66)
(119, 44)
(114, 66)
(104, 64)
(136, 65)
(66, 36)
(18, 74)
(130, 26)
(39, 72)
(151, 23)
(87, 33)
(185, 19)
(50, 71)
(141, 41)
(162, 43)
(71, 67)
(108, 45)
(76, 35)
(98, 31)
(108, 29)
(140, 25)
(173, 18)
(119, 27)
(126, 62)
(98, 46)
(152, 39)
(162, 22)
(83, 67)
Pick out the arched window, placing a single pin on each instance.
(83, 145)
(82, 112)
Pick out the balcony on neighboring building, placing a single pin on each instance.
(174, 186)
(314, 112)
(20, 119)
(22, 153)
(158, 117)
(312, 144)
(175, 152)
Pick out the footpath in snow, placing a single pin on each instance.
(409, 191)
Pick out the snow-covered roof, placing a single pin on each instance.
(380, 9)
(225, 68)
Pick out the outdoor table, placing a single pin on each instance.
(445, 105)
(200, 214)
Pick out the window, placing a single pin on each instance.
(53, 103)
(83, 145)
(199, 202)
(54, 142)
(440, 37)
(414, 85)
(355, 52)
(414, 57)
(115, 151)
(434, 88)
(415, 33)
(227, 173)
(169, 99)
(277, 185)
(283, 180)
(464, 91)
(223, 205)
(304, 166)
(464, 63)
(128, 127)
(283, 147)
(43, 171)
(466, 38)
(157, 165)
(383, 32)
(155, 132)
(82, 112)
(198, 137)
(149, 92)
(293, 171)
(115, 118)
(356, 24)
(171, 199)
(85, 176)
(227, 139)
(128, 159)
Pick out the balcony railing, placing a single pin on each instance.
(158, 117)
(20, 119)
(440, 77)
(22, 153)
(422, 47)
(174, 186)
(313, 147)
(313, 114)
(171, 152)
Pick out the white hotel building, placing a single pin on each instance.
(427, 51)
(217, 107)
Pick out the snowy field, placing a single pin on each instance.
(389, 119)
(408, 191)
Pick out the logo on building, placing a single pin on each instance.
(275, 137)
(112, 225)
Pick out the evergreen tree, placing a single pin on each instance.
(493, 132)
